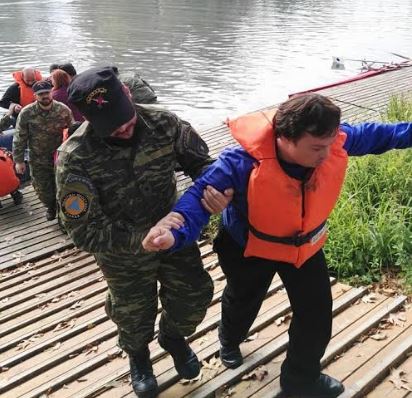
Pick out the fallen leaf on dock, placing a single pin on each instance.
(369, 298)
(190, 381)
(281, 320)
(257, 374)
(23, 345)
(56, 346)
(398, 319)
(76, 305)
(378, 336)
(252, 337)
(398, 379)
(90, 349)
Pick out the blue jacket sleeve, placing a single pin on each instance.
(376, 138)
(231, 170)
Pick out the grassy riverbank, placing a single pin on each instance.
(370, 230)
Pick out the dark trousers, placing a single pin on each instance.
(309, 291)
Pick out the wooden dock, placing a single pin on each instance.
(56, 340)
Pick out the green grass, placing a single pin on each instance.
(370, 230)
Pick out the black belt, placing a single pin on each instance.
(297, 240)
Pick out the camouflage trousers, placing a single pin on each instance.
(185, 291)
(44, 184)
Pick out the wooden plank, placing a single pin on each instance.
(52, 320)
(101, 359)
(388, 389)
(264, 354)
(390, 358)
(273, 306)
(344, 338)
(36, 275)
(17, 321)
(13, 381)
(36, 252)
(88, 280)
(208, 324)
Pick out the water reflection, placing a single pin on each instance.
(207, 59)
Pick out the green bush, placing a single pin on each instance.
(370, 230)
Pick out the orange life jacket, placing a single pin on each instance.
(286, 216)
(8, 179)
(26, 92)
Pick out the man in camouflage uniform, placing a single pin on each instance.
(40, 126)
(115, 179)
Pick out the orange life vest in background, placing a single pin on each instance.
(9, 182)
(286, 216)
(26, 92)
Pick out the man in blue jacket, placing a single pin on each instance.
(287, 176)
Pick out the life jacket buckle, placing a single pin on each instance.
(300, 240)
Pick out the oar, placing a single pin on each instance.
(338, 62)
(402, 56)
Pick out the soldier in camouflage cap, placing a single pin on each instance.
(115, 178)
(40, 127)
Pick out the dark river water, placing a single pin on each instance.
(207, 59)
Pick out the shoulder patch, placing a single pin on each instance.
(73, 178)
(74, 205)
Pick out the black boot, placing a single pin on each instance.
(324, 387)
(185, 360)
(143, 381)
(51, 213)
(231, 357)
(17, 197)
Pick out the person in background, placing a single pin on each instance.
(20, 93)
(115, 176)
(53, 67)
(69, 69)
(139, 90)
(60, 80)
(287, 176)
(9, 182)
(40, 127)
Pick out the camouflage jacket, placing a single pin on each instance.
(109, 196)
(140, 90)
(41, 131)
(5, 122)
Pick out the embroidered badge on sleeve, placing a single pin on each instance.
(74, 205)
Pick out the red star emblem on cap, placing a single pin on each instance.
(100, 101)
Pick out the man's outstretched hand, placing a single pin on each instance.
(158, 238)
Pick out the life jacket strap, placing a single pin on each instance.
(297, 240)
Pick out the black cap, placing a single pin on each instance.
(100, 97)
(42, 86)
(68, 68)
(53, 67)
